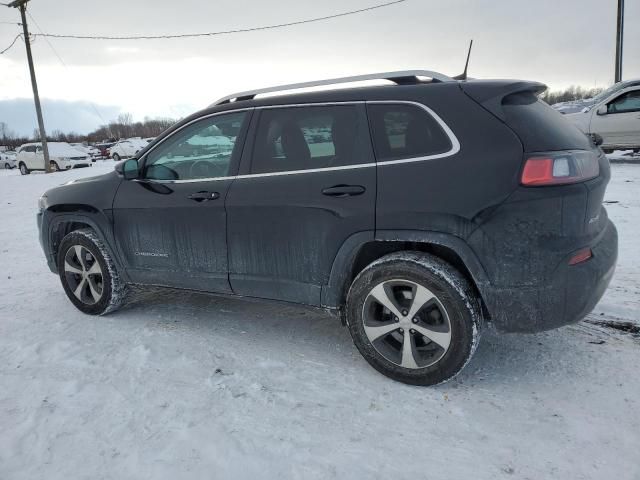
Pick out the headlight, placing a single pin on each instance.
(42, 203)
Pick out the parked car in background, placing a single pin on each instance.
(126, 148)
(103, 148)
(616, 118)
(62, 156)
(577, 106)
(8, 159)
(149, 139)
(93, 152)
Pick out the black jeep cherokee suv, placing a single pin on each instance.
(417, 210)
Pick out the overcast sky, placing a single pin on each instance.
(560, 43)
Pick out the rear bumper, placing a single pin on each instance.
(566, 297)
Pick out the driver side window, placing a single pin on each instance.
(627, 102)
(202, 150)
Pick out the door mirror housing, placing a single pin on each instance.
(597, 139)
(128, 169)
(602, 110)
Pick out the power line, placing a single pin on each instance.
(12, 43)
(222, 32)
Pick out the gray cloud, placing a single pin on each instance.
(80, 117)
(557, 42)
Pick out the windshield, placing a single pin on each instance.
(609, 91)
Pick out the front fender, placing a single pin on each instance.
(100, 222)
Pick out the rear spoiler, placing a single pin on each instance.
(490, 93)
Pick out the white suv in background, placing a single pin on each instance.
(127, 148)
(616, 119)
(62, 156)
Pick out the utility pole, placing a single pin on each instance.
(619, 40)
(22, 5)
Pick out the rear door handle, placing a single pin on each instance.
(344, 190)
(203, 196)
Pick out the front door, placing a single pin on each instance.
(620, 126)
(307, 185)
(28, 156)
(170, 224)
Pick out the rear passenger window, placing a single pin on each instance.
(405, 131)
(302, 138)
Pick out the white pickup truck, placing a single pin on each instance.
(616, 118)
(62, 156)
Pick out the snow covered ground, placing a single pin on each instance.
(624, 156)
(181, 385)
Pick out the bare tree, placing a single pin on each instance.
(568, 94)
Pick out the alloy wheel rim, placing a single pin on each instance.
(83, 274)
(406, 323)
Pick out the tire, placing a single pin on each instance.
(23, 169)
(7, 166)
(54, 166)
(97, 293)
(452, 318)
(116, 157)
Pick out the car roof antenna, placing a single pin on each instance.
(463, 75)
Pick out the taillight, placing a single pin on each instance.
(581, 256)
(560, 168)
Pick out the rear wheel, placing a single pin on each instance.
(7, 166)
(88, 274)
(116, 157)
(414, 318)
(23, 169)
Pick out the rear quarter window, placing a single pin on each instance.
(539, 126)
(405, 131)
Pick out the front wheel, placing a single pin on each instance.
(7, 166)
(116, 157)
(24, 170)
(54, 166)
(88, 274)
(414, 318)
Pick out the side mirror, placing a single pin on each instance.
(602, 110)
(128, 169)
(597, 139)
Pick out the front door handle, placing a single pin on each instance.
(204, 196)
(344, 190)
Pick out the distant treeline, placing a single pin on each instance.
(574, 92)
(122, 127)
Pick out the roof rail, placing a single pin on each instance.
(406, 77)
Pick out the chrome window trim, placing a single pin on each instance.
(455, 143)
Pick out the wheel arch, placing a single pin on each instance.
(61, 224)
(362, 248)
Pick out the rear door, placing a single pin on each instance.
(308, 183)
(170, 225)
(620, 126)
